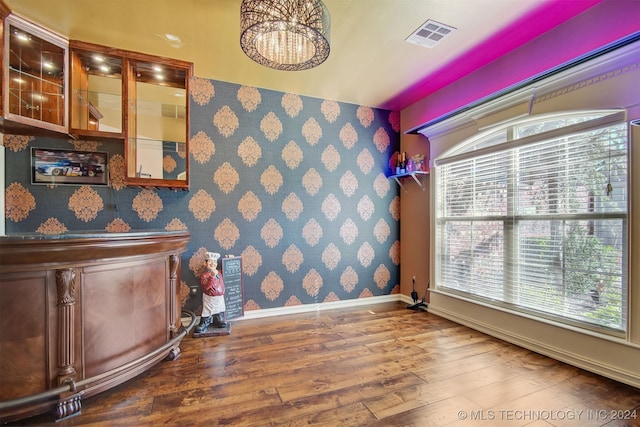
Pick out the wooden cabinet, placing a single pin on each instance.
(81, 313)
(34, 76)
(91, 91)
(156, 143)
(141, 99)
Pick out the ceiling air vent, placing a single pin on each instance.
(430, 34)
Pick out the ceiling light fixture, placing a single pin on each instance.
(289, 35)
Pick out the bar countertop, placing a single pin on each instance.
(77, 248)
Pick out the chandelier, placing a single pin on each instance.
(287, 35)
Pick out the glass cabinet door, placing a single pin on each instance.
(96, 91)
(156, 152)
(35, 76)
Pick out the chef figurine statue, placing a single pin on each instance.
(212, 285)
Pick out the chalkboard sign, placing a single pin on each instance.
(234, 287)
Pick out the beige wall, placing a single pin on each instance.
(414, 223)
(606, 83)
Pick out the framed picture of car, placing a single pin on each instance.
(68, 167)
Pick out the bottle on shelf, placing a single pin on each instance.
(411, 166)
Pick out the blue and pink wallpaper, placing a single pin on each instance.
(295, 185)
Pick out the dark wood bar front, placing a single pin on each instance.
(81, 313)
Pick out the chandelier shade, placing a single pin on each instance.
(289, 35)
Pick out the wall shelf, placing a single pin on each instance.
(415, 174)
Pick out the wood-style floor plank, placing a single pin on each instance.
(376, 365)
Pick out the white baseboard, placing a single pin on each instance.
(307, 308)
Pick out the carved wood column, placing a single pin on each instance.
(174, 301)
(66, 288)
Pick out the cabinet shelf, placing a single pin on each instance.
(415, 174)
(20, 76)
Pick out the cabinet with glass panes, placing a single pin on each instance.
(34, 77)
(96, 108)
(98, 92)
(156, 143)
(139, 98)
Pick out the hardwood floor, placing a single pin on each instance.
(375, 365)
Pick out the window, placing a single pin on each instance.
(533, 217)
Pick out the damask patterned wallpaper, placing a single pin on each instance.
(295, 185)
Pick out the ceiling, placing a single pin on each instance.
(370, 62)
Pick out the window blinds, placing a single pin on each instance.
(539, 224)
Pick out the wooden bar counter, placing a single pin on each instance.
(83, 312)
